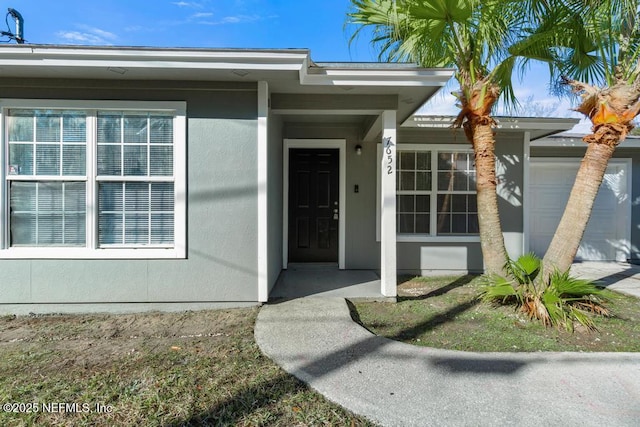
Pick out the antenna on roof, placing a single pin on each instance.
(19, 34)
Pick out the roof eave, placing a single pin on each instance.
(375, 74)
(552, 125)
(54, 56)
(49, 58)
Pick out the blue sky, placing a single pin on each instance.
(316, 25)
(201, 23)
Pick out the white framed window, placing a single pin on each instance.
(435, 193)
(101, 179)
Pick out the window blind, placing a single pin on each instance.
(132, 145)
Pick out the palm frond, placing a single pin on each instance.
(556, 314)
(502, 74)
(580, 316)
(525, 269)
(444, 10)
(595, 41)
(569, 287)
(560, 302)
(472, 36)
(497, 288)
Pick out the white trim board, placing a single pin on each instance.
(263, 205)
(341, 145)
(388, 243)
(526, 202)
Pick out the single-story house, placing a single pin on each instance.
(148, 178)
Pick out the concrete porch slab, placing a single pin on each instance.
(326, 280)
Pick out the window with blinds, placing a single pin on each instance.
(135, 178)
(47, 177)
(90, 178)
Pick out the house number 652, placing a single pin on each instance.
(387, 144)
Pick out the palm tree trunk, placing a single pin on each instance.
(566, 240)
(491, 238)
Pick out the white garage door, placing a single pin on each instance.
(608, 232)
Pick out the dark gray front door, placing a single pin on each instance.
(313, 205)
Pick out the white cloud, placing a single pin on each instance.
(99, 32)
(522, 93)
(442, 104)
(136, 28)
(88, 35)
(191, 4)
(235, 19)
(202, 15)
(78, 37)
(238, 19)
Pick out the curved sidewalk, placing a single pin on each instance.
(397, 384)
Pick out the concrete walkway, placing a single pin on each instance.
(397, 384)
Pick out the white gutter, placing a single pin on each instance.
(44, 56)
(576, 141)
(516, 123)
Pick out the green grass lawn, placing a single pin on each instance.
(444, 312)
(154, 369)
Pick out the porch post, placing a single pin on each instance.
(263, 266)
(388, 208)
(526, 181)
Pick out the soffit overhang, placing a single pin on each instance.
(288, 71)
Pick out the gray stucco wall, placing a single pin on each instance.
(621, 152)
(221, 264)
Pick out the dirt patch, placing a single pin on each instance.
(190, 368)
(92, 341)
(147, 325)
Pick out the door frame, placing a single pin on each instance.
(340, 145)
(575, 161)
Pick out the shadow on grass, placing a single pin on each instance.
(460, 281)
(251, 401)
(433, 322)
(246, 402)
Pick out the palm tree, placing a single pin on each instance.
(474, 37)
(597, 55)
